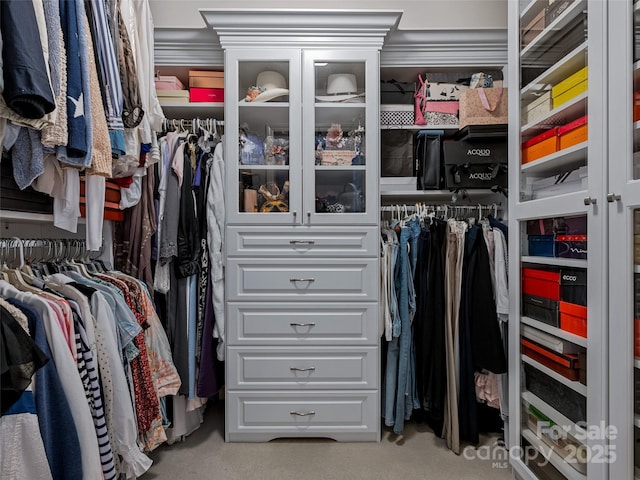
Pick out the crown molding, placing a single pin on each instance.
(187, 46)
(401, 48)
(307, 27)
(445, 48)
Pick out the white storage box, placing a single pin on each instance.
(552, 186)
(398, 184)
(539, 107)
(396, 115)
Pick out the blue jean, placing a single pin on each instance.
(400, 390)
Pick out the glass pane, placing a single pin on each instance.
(263, 137)
(340, 191)
(636, 337)
(636, 90)
(264, 190)
(553, 342)
(554, 90)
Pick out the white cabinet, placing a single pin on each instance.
(302, 248)
(559, 238)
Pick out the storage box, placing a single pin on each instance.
(573, 318)
(111, 201)
(393, 92)
(565, 365)
(561, 397)
(397, 153)
(398, 184)
(636, 221)
(533, 28)
(173, 96)
(558, 225)
(206, 79)
(542, 245)
(206, 94)
(582, 360)
(542, 309)
(549, 341)
(541, 283)
(168, 82)
(570, 87)
(576, 225)
(573, 286)
(338, 157)
(540, 146)
(573, 133)
(636, 249)
(396, 115)
(571, 246)
(476, 164)
(539, 107)
(569, 182)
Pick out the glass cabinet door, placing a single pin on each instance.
(623, 203)
(262, 110)
(340, 152)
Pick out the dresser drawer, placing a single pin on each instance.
(261, 416)
(302, 241)
(302, 368)
(302, 279)
(308, 323)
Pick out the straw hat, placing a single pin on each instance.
(340, 87)
(270, 84)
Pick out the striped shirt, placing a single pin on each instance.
(89, 376)
(108, 69)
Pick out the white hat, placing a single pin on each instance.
(340, 87)
(271, 85)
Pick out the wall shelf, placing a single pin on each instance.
(570, 337)
(556, 460)
(553, 414)
(572, 384)
(565, 113)
(187, 110)
(558, 262)
(558, 162)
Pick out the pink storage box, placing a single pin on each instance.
(206, 94)
(168, 82)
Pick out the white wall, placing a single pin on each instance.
(418, 14)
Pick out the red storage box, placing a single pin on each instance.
(541, 283)
(573, 133)
(111, 201)
(565, 364)
(206, 94)
(540, 146)
(573, 318)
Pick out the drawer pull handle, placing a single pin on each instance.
(310, 324)
(302, 279)
(302, 369)
(302, 414)
(302, 242)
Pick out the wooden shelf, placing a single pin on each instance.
(558, 162)
(263, 167)
(557, 262)
(572, 384)
(540, 42)
(570, 337)
(339, 168)
(568, 65)
(565, 113)
(553, 414)
(193, 110)
(556, 460)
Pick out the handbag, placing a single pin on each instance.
(396, 153)
(429, 159)
(351, 198)
(484, 106)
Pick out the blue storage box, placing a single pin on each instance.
(542, 245)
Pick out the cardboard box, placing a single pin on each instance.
(571, 246)
(565, 365)
(206, 94)
(573, 133)
(540, 146)
(173, 96)
(573, 286)
(536, 109)
(206, 79)
(541, 283)
(168, 82)
(573, 319)
(570, 87)
(542, 309)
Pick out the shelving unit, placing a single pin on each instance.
(193, 110)
(557, 262)
(562, 115)
(548, 453)
(573, 385)
(578, 340)
(553, 414)
(562, 161)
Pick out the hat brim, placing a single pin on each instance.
(268, 95)
(338, 98)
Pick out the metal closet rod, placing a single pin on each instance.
(440, 208)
